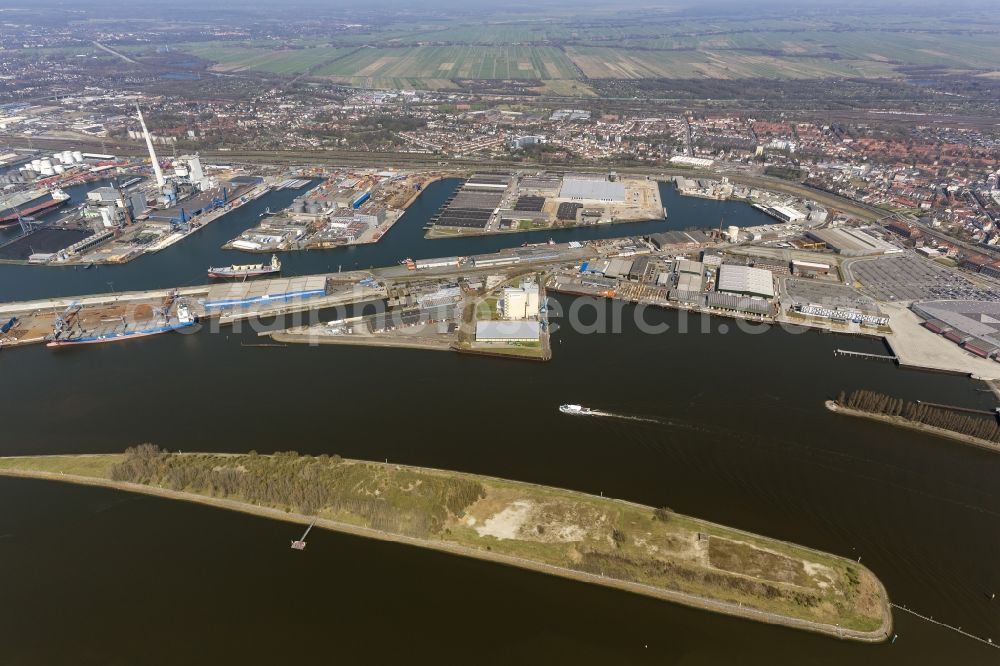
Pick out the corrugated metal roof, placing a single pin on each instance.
(599, 190)
(507, 330)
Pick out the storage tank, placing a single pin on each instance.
(77, 156)
(734, 233)
(59, 168)
(299, 207)
(314, 207)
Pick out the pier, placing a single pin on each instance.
(865, 355)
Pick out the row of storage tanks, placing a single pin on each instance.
(56, 164)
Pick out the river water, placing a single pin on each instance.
(741, 438)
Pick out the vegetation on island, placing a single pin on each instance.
(971, 424)
(670, 555)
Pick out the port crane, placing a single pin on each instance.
(219, 202)
(64, 322)
(167, 304)
(181, 220)
(301, 543)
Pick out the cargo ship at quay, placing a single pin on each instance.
(243, 271)
(69, 332)
(33, 203)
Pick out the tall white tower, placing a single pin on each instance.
(160, 181)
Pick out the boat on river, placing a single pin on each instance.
(576, 410)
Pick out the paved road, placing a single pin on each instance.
(116, 53)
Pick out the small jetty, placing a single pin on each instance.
(301, 543)
(865, 355)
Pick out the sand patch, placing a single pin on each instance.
(820, 573)
(507, 524)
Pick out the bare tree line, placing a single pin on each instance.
(872, 402)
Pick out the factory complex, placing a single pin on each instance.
(503, 202)
(347, 207)
(133, 216)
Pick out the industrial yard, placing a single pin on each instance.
(806, 273)
(489, 203)
(496, 310)
(350, 207)
(130, 214)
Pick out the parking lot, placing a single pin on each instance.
(804, 292)
(912, 278)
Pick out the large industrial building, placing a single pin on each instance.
(744, 280)
(852, 242)
(592, 189)
(507, 331)
(974, 325)
(520, 302)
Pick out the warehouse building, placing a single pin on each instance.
(975, 325)
(745, 280)
(520, 302)
(785, 213)
(507, 331)
(487, 181)
(592, 190)
(692, 267)
(618, 268)
(491, 260)
(843, 314)
(852, 242)
(737, 303)
(809, 268)
(776, 266)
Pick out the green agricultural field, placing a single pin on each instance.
(454, 62)
(563, 50)
(238, 58)
(614, 63)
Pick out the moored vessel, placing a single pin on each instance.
(69, 332)
(34, 203)
(246, 270)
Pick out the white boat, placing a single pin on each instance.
(575, 409)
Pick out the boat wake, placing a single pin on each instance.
(624, 417)
(578, 410)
